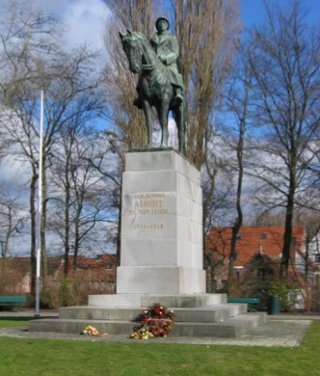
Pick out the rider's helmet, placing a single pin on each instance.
(161, 19)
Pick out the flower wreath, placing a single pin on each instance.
(91, 331)
(157, 321)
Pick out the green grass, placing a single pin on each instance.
(10, 322)
(57, 357)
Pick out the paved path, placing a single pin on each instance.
(279, 331)
(29, 313)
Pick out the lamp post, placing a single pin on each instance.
(38, 256)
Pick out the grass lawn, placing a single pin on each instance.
(56, 357)
(9, 322)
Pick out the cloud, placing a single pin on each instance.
(13, 171)
(85, 22)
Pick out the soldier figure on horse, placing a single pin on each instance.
(160, 83)
(167, 49)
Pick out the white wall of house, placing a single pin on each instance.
(314, 249)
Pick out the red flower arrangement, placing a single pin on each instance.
(157, 321)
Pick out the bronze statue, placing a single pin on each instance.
(160, 84)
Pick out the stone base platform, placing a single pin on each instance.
(203, 315)
(145, 300)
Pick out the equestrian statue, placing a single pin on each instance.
(160, 84)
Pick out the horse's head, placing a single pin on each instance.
(131, 43)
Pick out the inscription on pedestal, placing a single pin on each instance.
(147, 210)
(145, 204)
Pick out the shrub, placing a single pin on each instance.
(286, 294)
(66, 295)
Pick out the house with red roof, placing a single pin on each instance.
(252, 241)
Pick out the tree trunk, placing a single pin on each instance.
(5, 243)
(76, 244)
(66, 222)
(238, 221)
(77, 235)
(33, 230)
(287, 233)
(306, 259)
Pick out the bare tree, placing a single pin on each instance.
(72, 95)
(136, 15)
(12, 220)
(237, 103)
(83, 191)
(285, 69)
(27, 38)
(109, 163)
(208, 32)
(74, 98)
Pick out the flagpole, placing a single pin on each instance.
(38, 258)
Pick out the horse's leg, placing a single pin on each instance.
(148, 115)
(163, 111)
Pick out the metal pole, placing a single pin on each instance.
(38, 266)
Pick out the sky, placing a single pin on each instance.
(252, 11)
(85, 23)
(85, 19)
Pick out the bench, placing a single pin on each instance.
(13, 301)
(253, 303)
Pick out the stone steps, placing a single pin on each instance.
(212, 313)
(76, 326)
(146, 300)
(232, 327)
(204, 315)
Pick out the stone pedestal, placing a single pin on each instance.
(161, 258)
(161, 226)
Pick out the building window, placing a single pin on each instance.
(263, 235)
(317, 258)
(261, 274)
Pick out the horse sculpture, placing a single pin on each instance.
(155, 88)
